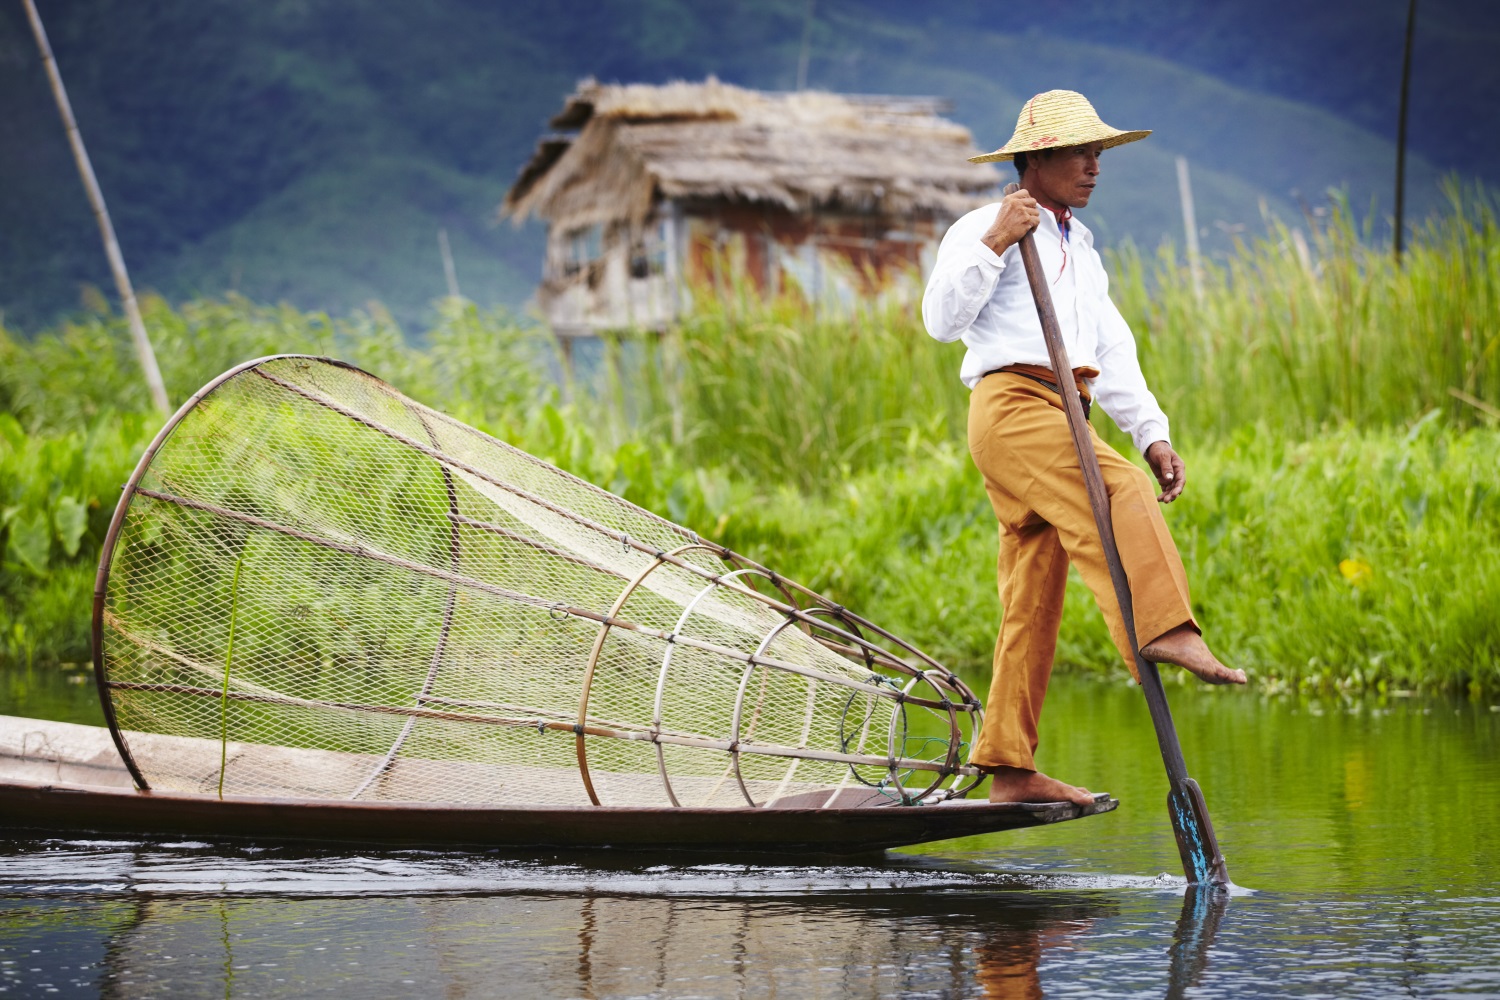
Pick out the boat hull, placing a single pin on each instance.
(60, 778)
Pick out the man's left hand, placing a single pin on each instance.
(1170, 471)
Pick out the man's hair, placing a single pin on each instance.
(1022, 159)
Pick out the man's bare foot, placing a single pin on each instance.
(1015, 784)
(1185, 648)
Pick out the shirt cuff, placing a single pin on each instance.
(984, 253)
(1149, 433)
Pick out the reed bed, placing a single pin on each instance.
(1340, 416)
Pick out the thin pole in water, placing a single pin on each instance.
(137, 325)
(1411, 30)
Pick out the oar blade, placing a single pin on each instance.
(1201, 858)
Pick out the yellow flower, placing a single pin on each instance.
(1356, 571)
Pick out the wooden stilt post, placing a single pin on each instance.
(143, 349)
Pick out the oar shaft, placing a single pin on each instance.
(1098, 493)
(1201, 857)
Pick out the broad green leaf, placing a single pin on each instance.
(12, 432)
(71, 520)
(31, 541)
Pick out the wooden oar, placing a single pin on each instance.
(1201, 858)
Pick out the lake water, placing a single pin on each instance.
(1363, 833)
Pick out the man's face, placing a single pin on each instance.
(1068, 176)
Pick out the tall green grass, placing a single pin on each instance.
(1342, 335)
(1338, 414)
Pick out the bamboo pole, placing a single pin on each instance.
(1411, 28)
(1190, 227)
(138, 335)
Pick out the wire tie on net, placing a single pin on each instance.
(541, 727)
(661, 553)
(671, 637)
(556, 613)
(625, 543)
(577, 729)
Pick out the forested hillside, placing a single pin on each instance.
(310, 151)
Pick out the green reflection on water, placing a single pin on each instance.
(1307, 794)
(62, 693)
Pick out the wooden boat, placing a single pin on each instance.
(66, 778)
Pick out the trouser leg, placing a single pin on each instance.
(1153, 567)
(1018, 436)
(1033, 577)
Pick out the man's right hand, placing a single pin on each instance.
(1018, 216)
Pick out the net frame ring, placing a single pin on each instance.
(660, 559)
(739, 706)
(915, 675)
(117, 525)
(661, 681)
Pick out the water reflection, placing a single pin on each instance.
(1197, 928)
(586, 946)
(126, 920)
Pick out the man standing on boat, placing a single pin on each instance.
(1019, 438)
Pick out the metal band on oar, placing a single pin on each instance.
(1202, 860)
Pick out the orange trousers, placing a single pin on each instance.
(1018, 436)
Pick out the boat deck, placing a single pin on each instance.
(63, 777)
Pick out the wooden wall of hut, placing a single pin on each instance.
(616, 277)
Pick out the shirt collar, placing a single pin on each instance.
(1077, 231)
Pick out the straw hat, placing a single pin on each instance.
(1058, 118)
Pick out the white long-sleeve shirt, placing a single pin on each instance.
(984, 300)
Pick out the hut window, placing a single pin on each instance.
(648, 255)
(583, 246)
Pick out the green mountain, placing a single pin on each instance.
(311, 150)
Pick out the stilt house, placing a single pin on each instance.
(650, 191)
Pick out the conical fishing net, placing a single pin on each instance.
(315, 587)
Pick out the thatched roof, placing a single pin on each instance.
(712, 140)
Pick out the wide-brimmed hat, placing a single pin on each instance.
(1055, 119)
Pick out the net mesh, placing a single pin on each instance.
(319, 588)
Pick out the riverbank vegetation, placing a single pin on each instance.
(1340, 416)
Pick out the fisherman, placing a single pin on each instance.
(1019, 437)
